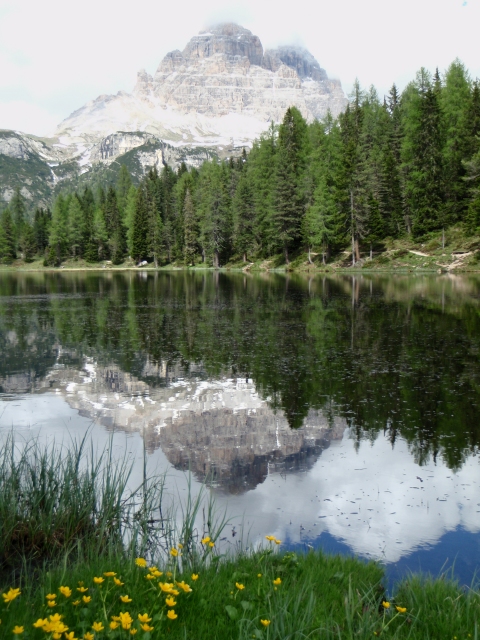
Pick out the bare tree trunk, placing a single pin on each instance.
(357, 249)
(155, 260)
(443, 238)
(244, 256)
(216, 261)
(371, 251)
(309, 256)
(285, 251)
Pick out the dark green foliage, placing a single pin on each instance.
(140, 245)
(29, 243)
(190, 229)
(289, 195)
(7, 238)
(41, 228)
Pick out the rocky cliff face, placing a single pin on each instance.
(218, 94)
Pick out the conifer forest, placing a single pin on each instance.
(403, 165)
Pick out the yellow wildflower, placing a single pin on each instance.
(277, 581)
(239, 586)
(401, 609)
(146, 627)
(70, 636)
(57, 635)
(175, 592)
(81, 589)
(169, 574)
(99, 580)
(171, 615)
(265, 622)
(76, 603)
(113, 624)
(52, 603)
(174, 552)
(17, 630)
(170, 601)
(66, 591)
(40, 623)
(386, 605)
(141, 562)
(97, 626)
(194, 576)
(166, 586)
(125, 620)
(259, 575)
(211, 544)
(88, 636)
(149, 576)
(133, 631)
(143, 617)
(270, 538)
(11, 595)
(180, 545)
(109, 574)
(125, 598)
(118, 582)
(51, 596)
(86, 599)
(205, 540)
(278, 541)
(183, 585)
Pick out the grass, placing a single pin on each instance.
(113, 563)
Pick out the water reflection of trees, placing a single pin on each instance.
(392, 354)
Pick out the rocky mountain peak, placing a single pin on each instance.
(229, 39)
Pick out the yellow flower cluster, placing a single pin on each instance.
(11, 595)
(273, 539)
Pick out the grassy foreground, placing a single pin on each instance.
(134, 571)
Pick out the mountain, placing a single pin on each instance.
(216, 96)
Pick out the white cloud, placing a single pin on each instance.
(60, 58)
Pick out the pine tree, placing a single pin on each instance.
(58, 230)
(261, 175)
(454, 101)
(244, 239)
(129, 217)
(190, 229)
(140, 244)
(29, 244)
(75, 227)
(100, 249)
(351, 185)
(289, 197)
(154, 193)
(7, 238)
(422, 153)
(124, 182)
(41, 227)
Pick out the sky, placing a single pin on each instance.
(56, 56)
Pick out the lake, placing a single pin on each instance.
(337, 412)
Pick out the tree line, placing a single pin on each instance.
(407, 165)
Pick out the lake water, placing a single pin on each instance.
(335, 412)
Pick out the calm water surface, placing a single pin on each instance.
(338, 412)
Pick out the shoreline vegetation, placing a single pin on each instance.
(388, 184)
(450, 251)
(83, 556)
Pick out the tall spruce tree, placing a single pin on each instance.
(289, 193)
(75, 227)
(244, 240)
(190, 229)
(140, 243)
(7, 238)
(422, 153)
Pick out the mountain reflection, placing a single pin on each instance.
(396, 355)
